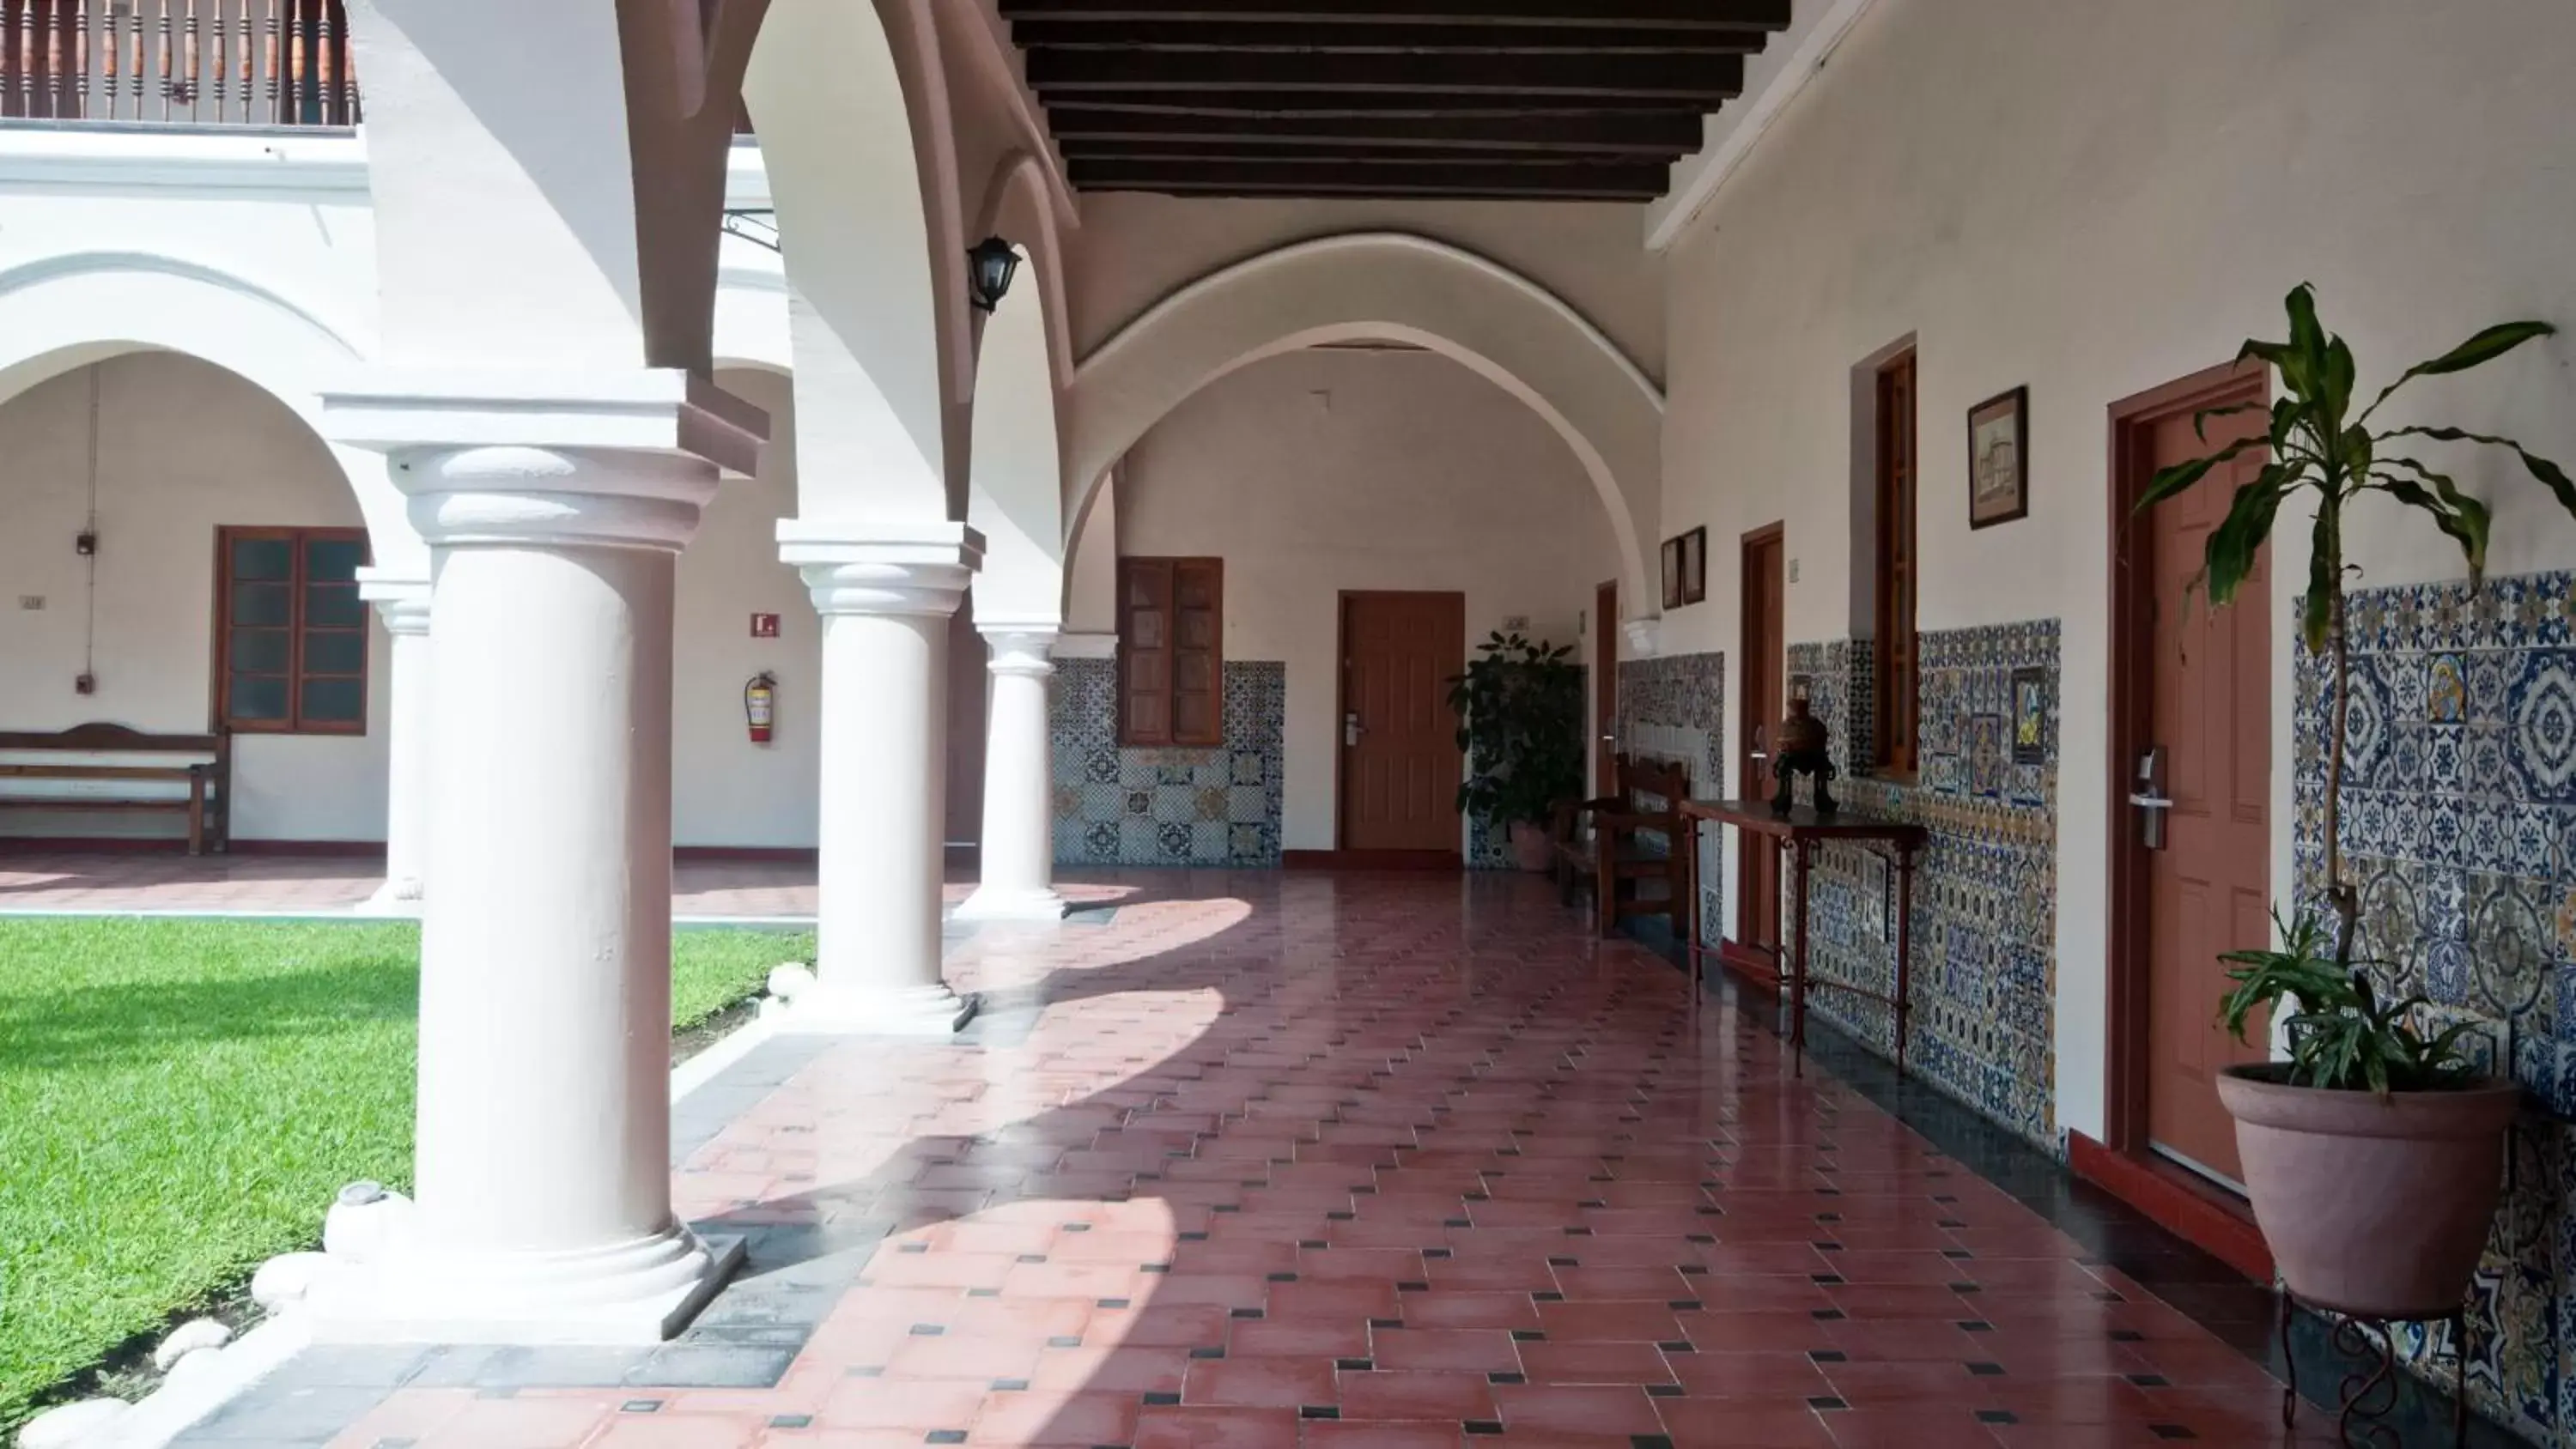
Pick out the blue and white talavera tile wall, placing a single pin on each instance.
(1674, 709)
(1984, 981)
(1115, 805)
(2459, 829)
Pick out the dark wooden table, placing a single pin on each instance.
(1796, 836)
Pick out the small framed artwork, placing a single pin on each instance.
(1999, 459)
(2030, 716)
(1695, 565)
(1672, 573)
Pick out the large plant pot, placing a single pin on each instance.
(1532, 849)
(2373, 1206)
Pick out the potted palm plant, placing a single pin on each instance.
(1520, 720)
(2373, 1153)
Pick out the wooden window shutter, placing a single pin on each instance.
(1198, 652)
(1145, 651)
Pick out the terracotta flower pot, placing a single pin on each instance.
(2373, 1206)
(1532, 850)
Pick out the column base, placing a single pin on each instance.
(393, 898)
(921, 1011)
(990, 904)
(634, 1294)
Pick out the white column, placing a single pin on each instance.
(554, 509)
(1018, 854)
(403, 603)
(885, 590)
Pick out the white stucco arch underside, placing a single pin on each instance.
(1394, 287)
(67, 311)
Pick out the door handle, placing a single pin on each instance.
(2152, 802)
(1352, 729)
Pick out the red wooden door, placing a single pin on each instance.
(1400, 760)
(1766, 696)
(2208, 887)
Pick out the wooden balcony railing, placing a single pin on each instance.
(178, 62)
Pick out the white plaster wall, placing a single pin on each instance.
(726, 791)
(1323, 471)
(2093, 200)
(184, 448)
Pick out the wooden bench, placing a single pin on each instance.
(201, 787)
(1627, 844)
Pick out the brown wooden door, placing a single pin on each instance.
(1766, 694)
(1400, 759)
(1605, 687)
(2210, 709)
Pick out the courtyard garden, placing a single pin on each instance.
(179, 1100)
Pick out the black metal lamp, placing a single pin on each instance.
(990, 265)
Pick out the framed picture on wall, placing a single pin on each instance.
(1695, 565)
(1672, 573)
(1999, 459)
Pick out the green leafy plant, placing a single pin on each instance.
(1520, 720)
(2316, 443)
(2342, 1036)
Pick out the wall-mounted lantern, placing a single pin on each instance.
(990, 265)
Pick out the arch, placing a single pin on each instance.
(1019, 207)
(853, 110)
(67, 311)
(1016, 497)
(1388, 287)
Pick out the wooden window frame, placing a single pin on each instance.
(1896, 652)
(1172, 736)
(296, 675)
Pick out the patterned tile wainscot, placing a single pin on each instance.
(1119, 806)
(1985, 893)
(2459, 827)
(1674, 708)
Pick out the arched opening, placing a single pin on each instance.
(182, 553)
(1399, 289)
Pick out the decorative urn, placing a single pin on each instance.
(1803, 749)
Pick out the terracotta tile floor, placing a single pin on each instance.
(1376, 1163)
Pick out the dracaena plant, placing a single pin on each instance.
(2343, 1037)
(1520, 720)
(2319, 443)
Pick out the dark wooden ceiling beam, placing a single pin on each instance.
(1661, 133)
(1695, 79)
(1330, 37)
(1256, 154)
(1756, 15)
(1623, 181)
(1297, 106)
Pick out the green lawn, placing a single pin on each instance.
(180, 1099)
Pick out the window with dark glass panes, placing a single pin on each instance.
(1171, 652)
(291, 631)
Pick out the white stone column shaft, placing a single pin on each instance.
(542, 1167)
(403, 603)
(885, 592)
(1017, 860)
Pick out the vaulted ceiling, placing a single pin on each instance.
(1539, 99)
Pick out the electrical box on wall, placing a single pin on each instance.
(1516, 623)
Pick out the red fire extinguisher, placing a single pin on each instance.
(760, 705)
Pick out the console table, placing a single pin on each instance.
(1796, 836)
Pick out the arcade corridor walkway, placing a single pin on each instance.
(1331, 1161)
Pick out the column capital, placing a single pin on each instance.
(882, 566)
(403, 601)
(1019, 648)
(522, 456)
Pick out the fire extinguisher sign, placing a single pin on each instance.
(764, 626)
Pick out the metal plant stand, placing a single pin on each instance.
(2367, 1396)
